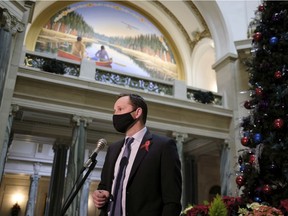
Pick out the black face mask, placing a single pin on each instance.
(123, 121)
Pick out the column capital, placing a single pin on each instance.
(14, 108)
(180, 137)
(226, 144)
(36, 168)
(9, 22)
(77, 119)
(35, 177)
(61, 143)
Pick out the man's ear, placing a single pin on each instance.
(138, 112)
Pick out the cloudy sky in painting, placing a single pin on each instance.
(112, 19)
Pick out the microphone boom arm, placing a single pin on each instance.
(71, 198)
(90, 163)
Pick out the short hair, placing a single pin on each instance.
(137, 101)
(102, 47)
(79, 38)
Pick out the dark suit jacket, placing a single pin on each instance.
(154, 185)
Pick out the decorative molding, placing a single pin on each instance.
(36, 168)
(197, 35)
(77, 119)
(226, 144)
(14, 108)
(31, 5)
(147, 85)
(228, 58)
(10, 22)
(180, 137)
(199, 15)
(244, 50)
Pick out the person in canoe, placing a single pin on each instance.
(102, 54)
(78, 48)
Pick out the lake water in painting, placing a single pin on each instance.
(121, 62)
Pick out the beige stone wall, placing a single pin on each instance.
(208, 176)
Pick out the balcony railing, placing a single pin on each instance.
(55, 64)
(50, 64)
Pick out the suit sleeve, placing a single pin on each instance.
(171, 180)
(105, 177)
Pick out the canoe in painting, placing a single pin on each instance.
(67, 55)
(104, 63)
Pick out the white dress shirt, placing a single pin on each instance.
(134, 149)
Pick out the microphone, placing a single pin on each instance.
(100, 145)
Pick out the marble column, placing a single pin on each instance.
(180, 138)
(231, 80)
(7, 139)
(9, 25)
(56, 189)
(85, 197)
(30, 208)
(225, 175)
(76, 161)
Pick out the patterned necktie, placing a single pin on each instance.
(117, 202)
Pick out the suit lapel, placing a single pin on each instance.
(115, 153)
(117, 149)
(142, 152)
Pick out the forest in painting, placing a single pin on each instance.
(133, 43)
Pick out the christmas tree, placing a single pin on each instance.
(263, 162)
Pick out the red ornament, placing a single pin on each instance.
(267, 189)
(257, 36)
(258, 91)
(245, 141)
(252, 159)
(278, 123)
(240, 180)
(261, 7)
(278, 75)
(247, 104)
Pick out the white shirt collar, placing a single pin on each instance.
(139, 135)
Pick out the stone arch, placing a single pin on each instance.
(208, 51)
(216, 23)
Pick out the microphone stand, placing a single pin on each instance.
(71, 197)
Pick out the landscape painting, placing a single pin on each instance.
(133, 43)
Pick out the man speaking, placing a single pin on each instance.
(141, 175)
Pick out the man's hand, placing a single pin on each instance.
(100, 197)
